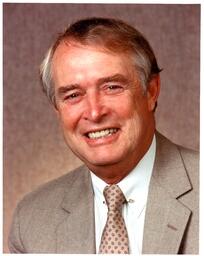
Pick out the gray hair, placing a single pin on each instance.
(111, 34)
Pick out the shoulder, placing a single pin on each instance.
(178, 156)
(190, 160)
(50, 194)
(42, 209)
(189, 156)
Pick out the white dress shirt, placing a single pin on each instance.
(135, 188)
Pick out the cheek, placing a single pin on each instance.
(68, 118)
(124, 107)
(135, 113)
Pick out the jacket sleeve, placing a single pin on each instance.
(14, 241)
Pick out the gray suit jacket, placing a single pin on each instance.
(59, 216)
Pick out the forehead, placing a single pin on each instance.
(80, 63)
(70, 52)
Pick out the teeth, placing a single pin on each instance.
(102, 133)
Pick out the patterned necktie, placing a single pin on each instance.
(114, 238)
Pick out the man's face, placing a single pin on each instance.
(106, 117)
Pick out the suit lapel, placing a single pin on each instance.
(166, 218)
(76, 233)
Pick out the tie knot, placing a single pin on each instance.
(114, 197)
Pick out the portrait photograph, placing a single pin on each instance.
(101, 110)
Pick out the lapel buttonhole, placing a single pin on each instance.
(172, 227)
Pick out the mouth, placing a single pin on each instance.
(101, 133)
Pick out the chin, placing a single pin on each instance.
(105, 161)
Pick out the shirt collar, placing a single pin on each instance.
(135, 185)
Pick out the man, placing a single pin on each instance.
(137, 192)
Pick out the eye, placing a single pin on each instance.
(73, 97)
(114, 88)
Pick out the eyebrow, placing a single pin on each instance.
(115, 78)
(63, 89)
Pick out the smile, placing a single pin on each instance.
(102, 133)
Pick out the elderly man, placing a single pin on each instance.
(137, 192)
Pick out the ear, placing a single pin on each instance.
(55, 108)
(153, 90)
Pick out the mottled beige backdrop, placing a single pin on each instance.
(34, 150)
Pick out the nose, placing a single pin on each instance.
(95, 109)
